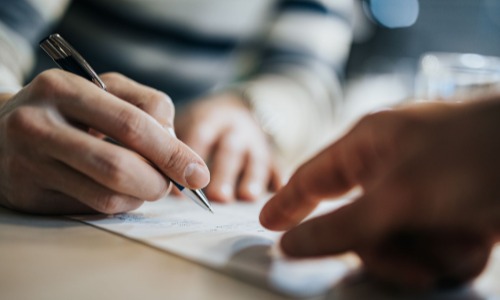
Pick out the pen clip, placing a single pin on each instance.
(62, 52)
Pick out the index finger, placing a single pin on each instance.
(152, 101)
(82, 101)
(326, 175)
(333, 172)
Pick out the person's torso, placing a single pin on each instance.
(184, 47)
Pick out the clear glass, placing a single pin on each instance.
(456, 76)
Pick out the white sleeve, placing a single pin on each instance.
(296, 93)
(22, 24)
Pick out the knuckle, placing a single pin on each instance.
(47, 84)
(161, 100)
(160, 192)
(28, 123)
(174, 159)
(109, 203)
(131, 125)
(21, 122)
(232, 144)
(397, 128)
(112, 166)
(160, 103)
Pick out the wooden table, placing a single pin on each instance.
(55, 258)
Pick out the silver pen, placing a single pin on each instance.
(68, 59)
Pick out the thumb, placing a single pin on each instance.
(347, 228)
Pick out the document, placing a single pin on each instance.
(231, 240)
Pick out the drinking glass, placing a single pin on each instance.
(456, 76)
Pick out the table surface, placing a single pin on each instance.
(56, 258)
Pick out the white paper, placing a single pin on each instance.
(230, 240)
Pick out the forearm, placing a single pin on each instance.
(295, 91)
(297, 114)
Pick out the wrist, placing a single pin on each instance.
(264, 118)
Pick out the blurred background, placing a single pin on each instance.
(387, 52)
(388, 64)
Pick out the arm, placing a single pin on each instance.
(281, 109)
(298, 74)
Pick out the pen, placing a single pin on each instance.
(68, 59)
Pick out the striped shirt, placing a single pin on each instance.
(285, 55)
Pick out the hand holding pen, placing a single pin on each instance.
(50, 165)
(66, 57)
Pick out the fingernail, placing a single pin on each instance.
(196, 175)
(227, 191)
(255, 189)
(267, 218)
(263, 219)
